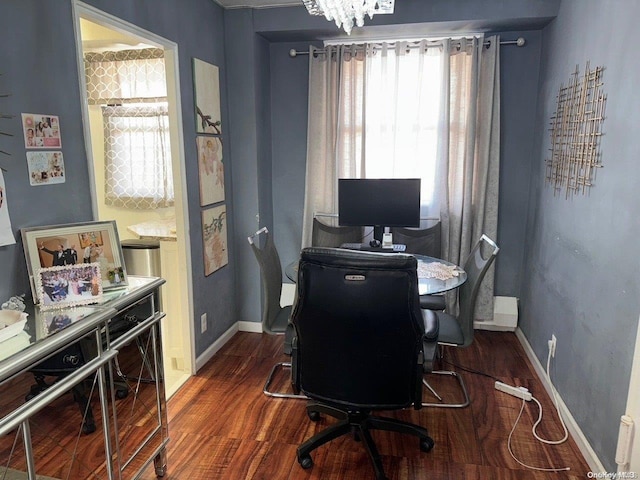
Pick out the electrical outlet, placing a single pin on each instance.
(552, 345)
(203, 323)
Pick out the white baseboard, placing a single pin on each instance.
(215, 346)
(252, 327)
(574, 429)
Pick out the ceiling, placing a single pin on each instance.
(257, 3)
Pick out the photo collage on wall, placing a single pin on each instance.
(210, 165)
(41, 135)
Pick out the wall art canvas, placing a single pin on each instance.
(214, 238)
(41, 131)
(6, 232)
(206, 78)
(45, 168)
(210, 169)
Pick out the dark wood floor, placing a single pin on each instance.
(223, 427)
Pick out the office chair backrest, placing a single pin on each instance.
(423, 241)
(271, 275)
(323, 235)
(359, 328)
(476, 266)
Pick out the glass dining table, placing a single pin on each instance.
(435, 275)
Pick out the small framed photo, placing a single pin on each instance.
(69, 285)
(41, 130)
(75, 244)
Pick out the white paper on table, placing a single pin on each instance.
(6, 234)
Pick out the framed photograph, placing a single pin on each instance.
(206, 80)
(73, 244)
(52, 321)
(45, 168)
(210, 169)
(214, 238)
(69, 285)
(41, 131)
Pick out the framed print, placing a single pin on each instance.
(45, 168)
(62, 245)
(206, 80)
(214, 238)
(69, 285)
(41, 131)
(210, 170)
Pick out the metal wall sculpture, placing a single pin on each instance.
(576, 129)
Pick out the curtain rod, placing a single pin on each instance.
(520, 42)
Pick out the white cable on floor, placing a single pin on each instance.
(535, 425)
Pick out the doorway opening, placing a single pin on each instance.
(98, 32)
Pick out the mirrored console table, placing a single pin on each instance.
(81, 390)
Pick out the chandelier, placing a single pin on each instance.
(345, 12)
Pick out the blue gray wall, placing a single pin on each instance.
(581, 279)
(40, 72)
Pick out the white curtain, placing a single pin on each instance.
(334, 142)
(362, 123)
(130, 86)
(469, 158)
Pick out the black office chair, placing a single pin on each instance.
(323, 235)
(361, 344)
(423, 241)
(457, 331)
(275, 318)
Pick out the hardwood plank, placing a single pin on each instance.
(222, 427)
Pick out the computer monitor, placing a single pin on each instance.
(379, 203)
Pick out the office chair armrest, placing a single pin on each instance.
(429, 340)
(289, 333)
(433, 302)
(295, 381)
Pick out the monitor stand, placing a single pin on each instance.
(378, 232)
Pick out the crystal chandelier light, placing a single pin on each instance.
(345, 12)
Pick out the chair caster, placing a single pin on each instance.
(121, 393)
(315, 416)
(426, 444)
(305, 461)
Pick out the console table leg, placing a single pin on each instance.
(160, 463)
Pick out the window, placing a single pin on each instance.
(130, 86)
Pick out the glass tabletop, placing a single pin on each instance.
(427, 284)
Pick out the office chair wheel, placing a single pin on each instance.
(305, 461)
(121, 393)
(315, 416)
(426, 444)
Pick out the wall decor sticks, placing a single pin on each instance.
(576, 128)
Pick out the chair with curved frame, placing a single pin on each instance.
(275, 318)
(457, 331)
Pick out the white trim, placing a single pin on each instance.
(576, 433)
(216, 346)
(252, 327)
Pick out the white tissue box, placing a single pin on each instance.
(11, 323)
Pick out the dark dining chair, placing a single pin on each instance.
(324, 235)
(361, 344)
(457, 330)
(423, 241)
(275, 317)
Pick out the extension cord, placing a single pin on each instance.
(519, 392)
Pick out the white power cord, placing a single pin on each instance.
(535, 426)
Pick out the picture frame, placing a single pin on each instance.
(210, 169)
(214, 239)
(69, 286)
(58, 245)
(206, 84)
(41, 130)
